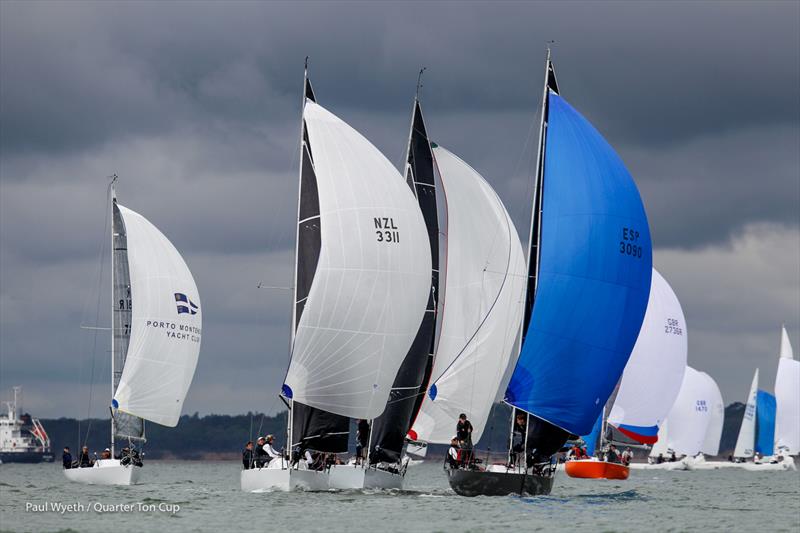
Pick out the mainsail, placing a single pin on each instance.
(125, 425)
(765, 423)
(787, 395)
(166, 326)
(747, 431)
(389, 430)
(366, 276)
(484, 293)
(590, 264)
(716, 417)
(653, 375)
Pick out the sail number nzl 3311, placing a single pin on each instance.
(628, 245)
(385, 230)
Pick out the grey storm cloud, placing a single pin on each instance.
(196, 106)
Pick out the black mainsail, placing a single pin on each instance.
(408, 390)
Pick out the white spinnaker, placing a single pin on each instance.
(654, 372)
(747, 431)
(373, 276)
(484, 298)
(716, 418)
(787, 399)
(690, 414)
(164, 343)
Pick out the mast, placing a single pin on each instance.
(532, 259)
(308, 93)
(113, 303)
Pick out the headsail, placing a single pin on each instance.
(716, 417)
(653, 375)
(372, 276)
(747, 431)
(389, 430)
(787, 395)
(765, 425)
(166, 326)
(590, 266)
(484, 295)
(690, 415)
(125, 425)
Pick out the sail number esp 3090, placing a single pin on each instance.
(385, 230)
(629, 243)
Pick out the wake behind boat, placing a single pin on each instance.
(154, 345)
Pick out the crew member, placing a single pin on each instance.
(261, 453)
(362, 439)
(464, 432)
(66, 458)
(270, 452)
(247, 455)
(106, 454)
(454, 454)
(84, 460)
(611, 454)
(627, 455)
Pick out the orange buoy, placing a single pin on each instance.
(593, 469)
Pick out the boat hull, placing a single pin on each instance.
(352, 477)
(675, 465)
(483, 483)
(592, 469)
(26, 457)
(786, 464)
(283, 479)
(105, 472)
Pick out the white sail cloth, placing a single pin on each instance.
(689, 417)
(484, 298)
(654, 372)
(787, 399)
(716, 417)
(166, 322)
(373, 276)
(746, 440)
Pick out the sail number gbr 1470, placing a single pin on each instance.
(386, 230)
(629, 244)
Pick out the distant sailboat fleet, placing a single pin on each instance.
(416, 306)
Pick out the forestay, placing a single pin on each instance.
(653, 375)
(787, 395)
(595, 264)
(372, 278)
(165, 326)
(484, 297)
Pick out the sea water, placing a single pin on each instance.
(205, 496)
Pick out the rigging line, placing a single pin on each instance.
(97, 315)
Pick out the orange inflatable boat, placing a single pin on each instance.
(593, 469)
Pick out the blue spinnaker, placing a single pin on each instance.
(593, 436)
(765, 423)
(594, 277)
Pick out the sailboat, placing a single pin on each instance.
(648, 387)
(589, 269)
(156, 331)
(746, 440)
(684, 433)
(362, 284)
(787, 397)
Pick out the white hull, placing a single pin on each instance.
(281, 478)
(105, 472)
(352, 477)
(676, 465)
(787, 463)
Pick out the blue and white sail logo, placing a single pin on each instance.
(185, 305)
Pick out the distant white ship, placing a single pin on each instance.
(22, 441)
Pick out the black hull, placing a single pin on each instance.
(26, 457)
(479, 483)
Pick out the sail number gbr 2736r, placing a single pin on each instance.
(385, 230)
(629, 245)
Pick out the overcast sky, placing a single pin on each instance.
(196, 107)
